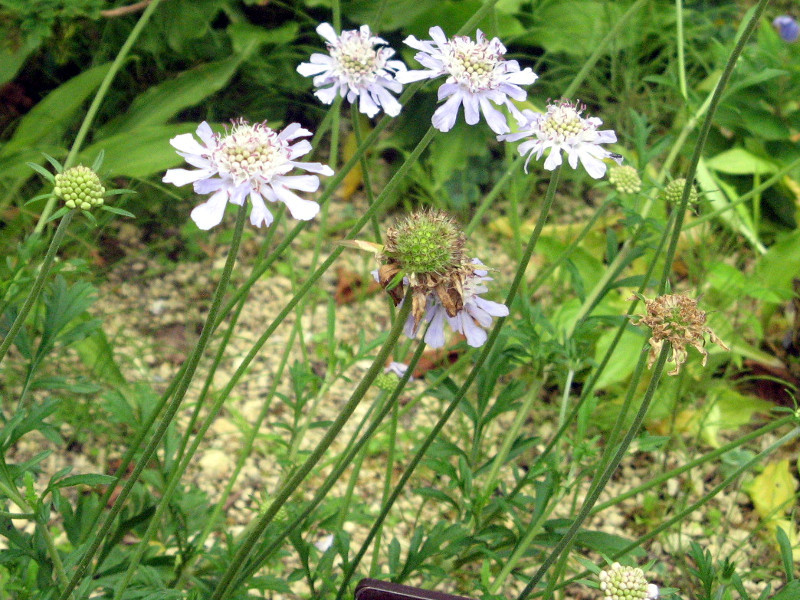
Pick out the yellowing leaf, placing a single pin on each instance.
(790, 530)
(772, 492)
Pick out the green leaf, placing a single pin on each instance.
(719, 194)
(58, 214)
(95, 352)
(624, 359)
(776, 269)
(141, 155)
(87, 479)
(118, 211)
(47, 122)
(245, 38)
(162, 102)
(738, 161)
(790, 592)
(42, 171)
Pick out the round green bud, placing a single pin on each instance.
(625, 179)
(673, 193)
(79, 187)
(386, 381)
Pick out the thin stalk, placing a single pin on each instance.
(223, 588)
(98, 100)
(679, 42)
(666, 476)
(509, 437)
(170, 411)
(387, 488)
(38, 284)
(41, 527)
(487, 348)
(244, 453)
(705, 128)
(602, 480)
(705, 217)
(679, 517)
(355, 118)
(353, 449)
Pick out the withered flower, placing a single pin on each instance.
(675, 318)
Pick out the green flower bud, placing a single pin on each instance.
(674, 191)
(79, 187)
(625, 179)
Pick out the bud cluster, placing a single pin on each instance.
(79, 187)
(673, 193)
(625, 179)
(626, 583)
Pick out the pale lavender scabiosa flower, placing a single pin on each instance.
(425, 252)
(787, 28)
(470, 321)
(355, 69)
(563, 128)
(477, 76)
(249, 160)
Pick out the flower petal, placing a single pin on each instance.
(302, 210)
(210, 213)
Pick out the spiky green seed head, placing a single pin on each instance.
(425, 242)
(625, 179)
(79, 187)
(674, 191)
(625, 583)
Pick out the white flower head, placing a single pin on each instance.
(477, 76)
(470, 321)
(249, 160)
(355, 69)
(563, 128)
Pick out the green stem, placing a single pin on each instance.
(602, 480)
(38, 283)
(487, 348)
(666, 476)
(356, 120)
(224, 587)
(387, 488)
(716, 97)
(199, 541)
(17, 498)
(170, 411)
(680, 517)
(98, 100)
(353, 449)
(679, 43)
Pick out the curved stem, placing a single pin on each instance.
(353, 449)
(38, 284)
(97, 101)
(170, 411)
(224, 587)
(705, 128)
(487, 348)
(601, 481)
